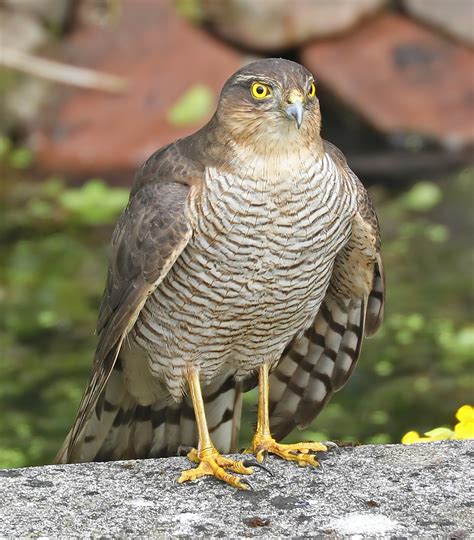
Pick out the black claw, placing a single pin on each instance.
(183, 450)
(249, 484)
(255, 463)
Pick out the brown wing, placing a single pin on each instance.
(150, 235)
(319, 363)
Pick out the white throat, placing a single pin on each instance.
(273, 163)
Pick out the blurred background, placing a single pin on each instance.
(90, 88)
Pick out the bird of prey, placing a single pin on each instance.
(248, 253)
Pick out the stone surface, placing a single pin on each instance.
(162, 56)
(455, 17)
(401, 77)
(273, 25)
(394, 491)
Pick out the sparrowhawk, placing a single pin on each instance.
(248, 253)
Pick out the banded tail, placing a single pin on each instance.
(120, 428)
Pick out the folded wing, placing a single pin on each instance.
(150, 235)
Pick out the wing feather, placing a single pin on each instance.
(149, 237)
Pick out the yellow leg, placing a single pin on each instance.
(263, 440)
(210, 462)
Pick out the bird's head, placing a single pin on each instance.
(271, 102)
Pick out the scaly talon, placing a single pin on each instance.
(211, 463)
(193, 456)
(299, 452)
(264, 443)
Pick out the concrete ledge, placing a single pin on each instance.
(384, 491)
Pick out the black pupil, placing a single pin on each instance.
(260, 90)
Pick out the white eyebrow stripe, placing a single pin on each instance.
(257, 78)
(266, 80)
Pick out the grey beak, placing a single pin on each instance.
(296, 111)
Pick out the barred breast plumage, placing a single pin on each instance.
(253, 275)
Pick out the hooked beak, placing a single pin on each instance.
(296, 111)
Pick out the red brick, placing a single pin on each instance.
(162, 56)
(401, 77)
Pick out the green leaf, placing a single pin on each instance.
(437, 233)
(383, 368)
(423, 197)
(12, 458)
(95, 202)
(5, 146)
(193, 106)
(379, 438)
(440, 433)
(21, 158)
(190, 9)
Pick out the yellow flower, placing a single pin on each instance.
(410, 437)
(462, 430)
(465, 413)
(465, 428)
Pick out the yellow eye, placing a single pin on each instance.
(261, 91)
(312, 90)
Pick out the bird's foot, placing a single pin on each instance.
(211, 463)
(299, 452)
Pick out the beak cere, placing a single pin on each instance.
(296, 111)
